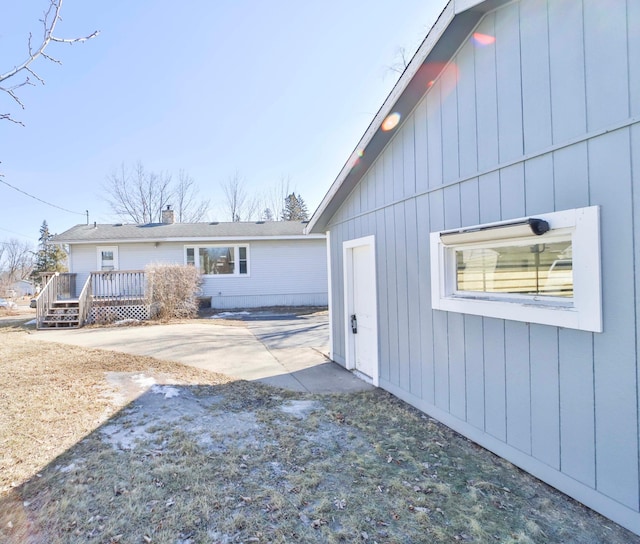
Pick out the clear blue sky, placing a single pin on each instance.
(268, 89)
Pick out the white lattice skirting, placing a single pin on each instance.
(109, 314)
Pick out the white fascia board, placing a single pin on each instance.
(183, 239)
(464, 5)
(436, 32)
(484, 6)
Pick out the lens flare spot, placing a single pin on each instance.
(353, 161)
(483, 40)
(440, 74)
(391, 122)
(449, 80)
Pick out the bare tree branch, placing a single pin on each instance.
(252, 208)
(235, 196)
(186, 205)
(239, 203)
(49, 21)
(275, 198)
(7, 117)
(138, 196)
(16, 259)
(34, 75)
(402, 61)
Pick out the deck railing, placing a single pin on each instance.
(59, 286)
(118, 287)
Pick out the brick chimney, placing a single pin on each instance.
(167, 216)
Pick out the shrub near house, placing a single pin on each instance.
(172, 290)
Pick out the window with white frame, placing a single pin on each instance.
(107, 258)
(544, 269)
(212, 260)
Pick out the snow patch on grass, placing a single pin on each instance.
(226, 315)
(166, 390)
(143, 381)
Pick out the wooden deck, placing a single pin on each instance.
(105, 297)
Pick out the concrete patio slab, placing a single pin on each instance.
(288, 353)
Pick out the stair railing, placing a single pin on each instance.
(84, 302)
(46, 298)
(58, 286)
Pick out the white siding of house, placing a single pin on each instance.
(290, 273)
(545, 119)
(83, 258)
(281, 273)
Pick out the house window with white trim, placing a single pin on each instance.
(242, 260)
(191, 256)
(544, 269)
(107, 258)
(213, 260)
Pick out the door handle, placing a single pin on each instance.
(354, 324)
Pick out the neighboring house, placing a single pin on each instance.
(23, 288)
(243, 264)
(484, 239)
(19, 288)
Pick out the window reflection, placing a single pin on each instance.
(219, 260)
(535, 269)
(216, 260)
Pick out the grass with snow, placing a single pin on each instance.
(100, 447)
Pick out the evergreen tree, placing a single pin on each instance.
(49, 257)
(295, 209)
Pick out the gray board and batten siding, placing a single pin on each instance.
(545, 118)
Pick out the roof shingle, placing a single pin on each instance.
(180, 231)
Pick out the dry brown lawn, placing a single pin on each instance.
(100, 447)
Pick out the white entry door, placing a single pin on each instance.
(361, 307)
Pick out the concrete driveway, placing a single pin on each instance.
(287, 351)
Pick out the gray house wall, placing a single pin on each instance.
(546, 118)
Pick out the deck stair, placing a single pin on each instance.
(62, 314)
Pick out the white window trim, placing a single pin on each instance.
(583, 312)
(236, 257)
(116, 257)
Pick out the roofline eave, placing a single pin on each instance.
(186, 239)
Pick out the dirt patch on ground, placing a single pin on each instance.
(107, 448)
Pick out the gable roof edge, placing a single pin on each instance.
(456, 20)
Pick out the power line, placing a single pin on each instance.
(14, 232)
(5, 243)
(40, 200)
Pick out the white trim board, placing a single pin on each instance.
(350, 344)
